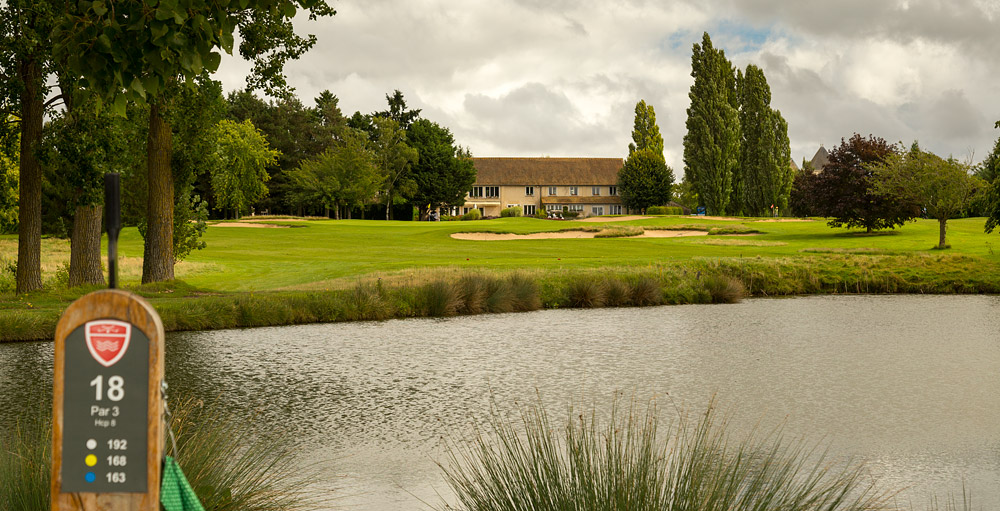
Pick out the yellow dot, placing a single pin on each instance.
(90, 460)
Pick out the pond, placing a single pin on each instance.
(908, 384)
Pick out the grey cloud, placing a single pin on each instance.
(534, 119)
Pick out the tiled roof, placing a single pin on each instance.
(548, 171)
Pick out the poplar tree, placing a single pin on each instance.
(763, 177)
(645, 132)
(712, 142)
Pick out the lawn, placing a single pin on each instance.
(320, 255)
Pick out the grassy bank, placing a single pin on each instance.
(324, 271)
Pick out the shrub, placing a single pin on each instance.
(509, 212)
(473, 214)
(627, 463)
(541, 213)
(499, 296)
(586, 292)
(569, 215)
(664, 210)
(724, 288)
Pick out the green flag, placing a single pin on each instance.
(175, 492)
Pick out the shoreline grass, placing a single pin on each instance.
(350, 270)
(443, 292)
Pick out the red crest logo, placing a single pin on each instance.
(107, 340)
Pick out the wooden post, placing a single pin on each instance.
(107, 410)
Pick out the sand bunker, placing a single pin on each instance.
(490, 236)
(612, 219)
(248, 224)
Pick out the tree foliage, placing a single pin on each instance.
(398, 112)
(843, 190)
(342, 177)
(711, 145)
(645, 180)
(443, 172)
(645, 132)
(239, 173)
(764, 175)
(394, 159)
(943, 188)
(9, 164)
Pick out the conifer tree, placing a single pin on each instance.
(645, 132)
(763, 177)
(711, 145)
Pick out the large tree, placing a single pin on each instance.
(711, 145)
(843, 190)
(155, 44)
(25, 61)
(239, 174)
(342, 177)
(443, 172)
(763, 177)
(645, 180)
(397, 111)
(394, 159)
(645, 132)
(944, 188)
(9, 162)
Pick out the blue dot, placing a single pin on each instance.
(90, 477)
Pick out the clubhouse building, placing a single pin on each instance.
(587, 186)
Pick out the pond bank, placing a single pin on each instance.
(462, 291)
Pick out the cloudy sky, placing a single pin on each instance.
(561, 77)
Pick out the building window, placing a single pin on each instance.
(553, 207)
(477, 191)
(595, 190)
(612, 190)
(574, 190)
(529, 209)
(529, 191)
(465, 210)
(597, 210)
(552, 190)
(616, 209)
(492, 192)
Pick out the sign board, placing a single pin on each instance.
(107, 406)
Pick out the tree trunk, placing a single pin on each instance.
(85, 247)
(29, 230)
(337, 214)
(158, 252)
(942, 222)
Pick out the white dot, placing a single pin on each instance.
(91, 444)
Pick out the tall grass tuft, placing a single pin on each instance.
(233, 471)
(625, 463)
(24, 466)
(724, 288)
(440, 298)
(617, 293)
(499, 295)
(229, 469)
(646, 291)
(586, 292)
(368, 301)
(472, 294)
(524, 292)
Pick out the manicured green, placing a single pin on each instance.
(255, 276)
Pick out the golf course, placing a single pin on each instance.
(272, 271)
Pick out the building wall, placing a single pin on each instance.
(516, 195)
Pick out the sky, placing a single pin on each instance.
(561, 78)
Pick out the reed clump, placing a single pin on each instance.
(586, 293)
(724, 288)
(619, 231)
(228, 469)
(628, 463)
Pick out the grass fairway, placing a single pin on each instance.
(318, 256)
